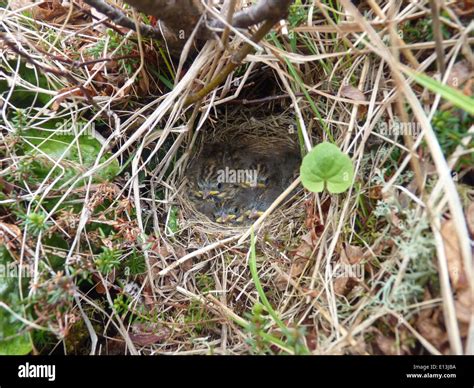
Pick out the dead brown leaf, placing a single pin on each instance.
(357, 96)
(341, 285)
(344, 282)
(305, 248)
(10, 234)
(375, 192)
(453, 255)
(464, 7)
(281, 282)
(144, 83)
(353, 93)
(115, 346)
(48, 10)
(432, 331)
(463, 305)
(6, 187)
(144, 334)
(298, 266)
(100, 287)
(354, 253)
(459, 74)
(386, 345)
(426, 313)
(147, 295)
(302, 254)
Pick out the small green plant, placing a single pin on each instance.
(28, 92)
(326, 166)
(197, 318)
(122, 304)
(35, 222)
(417, 31)
(421, 30)
(172, 225)
(205, 282)
(108, 260)
(451, 127)
(258, 319)
(297, 14)
(135, 265)
(41, 150)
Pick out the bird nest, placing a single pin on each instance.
(269, 140)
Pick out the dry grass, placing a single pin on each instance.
(196, 294)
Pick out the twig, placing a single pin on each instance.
(438, 36)
(230, 13)
(235, 61)
(85, 63)
(195, 253)
(121, 19)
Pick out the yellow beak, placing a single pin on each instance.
(207, 194)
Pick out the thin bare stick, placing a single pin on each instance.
(438, 35)
(197, 252)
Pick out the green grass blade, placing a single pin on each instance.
(452, 95)
(259, 288)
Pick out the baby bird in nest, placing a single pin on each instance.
(204, 174)
(233, 185)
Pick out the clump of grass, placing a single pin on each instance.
(108, 260)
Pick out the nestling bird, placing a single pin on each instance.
(204, 174)
(233, 184)
(225, 215)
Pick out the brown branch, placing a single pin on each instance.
(118, 17)
(438, 35)
(101, 20)
(180, 16)
(230, 14)
(263, 10)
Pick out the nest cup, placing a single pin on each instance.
(269, 135)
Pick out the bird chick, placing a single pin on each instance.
(227, 213)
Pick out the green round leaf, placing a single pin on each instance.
(326, 165)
